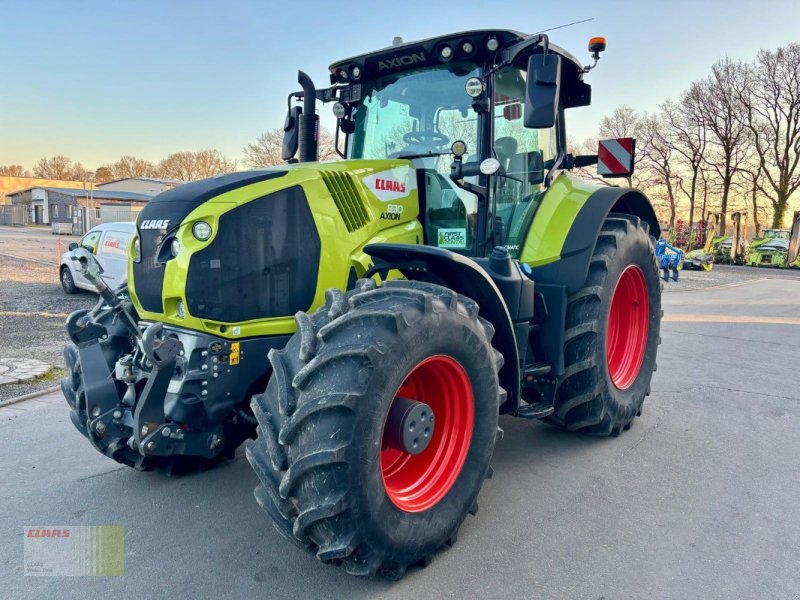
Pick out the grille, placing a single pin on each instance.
(262, 263)
(148, 273)
(342, 188)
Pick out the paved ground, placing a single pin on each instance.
(699, 500)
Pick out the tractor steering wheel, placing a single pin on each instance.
(424, 138)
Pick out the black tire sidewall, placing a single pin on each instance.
(423, 532)
(70, 287)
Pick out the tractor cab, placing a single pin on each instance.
(480, 115)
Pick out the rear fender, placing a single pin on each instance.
(577, 237)
(464, 276)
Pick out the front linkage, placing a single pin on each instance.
(121, 372)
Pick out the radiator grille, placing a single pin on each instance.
(343, 189)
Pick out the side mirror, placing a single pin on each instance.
(542, 91)
(73, 246)
(615, 157)
(291, 133)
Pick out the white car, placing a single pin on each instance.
(109, 243)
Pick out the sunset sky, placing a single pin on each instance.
(94, 80)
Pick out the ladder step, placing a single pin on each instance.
(537, 410)
(537, 370)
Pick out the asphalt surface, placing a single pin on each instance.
(698, 500)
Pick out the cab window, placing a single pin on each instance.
(90, 240)
(525, 155)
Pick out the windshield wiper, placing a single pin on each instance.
(422, 154)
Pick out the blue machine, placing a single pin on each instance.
(669, 259)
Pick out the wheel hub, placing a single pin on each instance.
(409, 426)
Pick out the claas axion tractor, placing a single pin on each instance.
(368, 320)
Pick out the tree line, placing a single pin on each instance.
(730, 141)
(265, 151)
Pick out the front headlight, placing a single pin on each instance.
(201, 230)
(175, 246)
(136, 249)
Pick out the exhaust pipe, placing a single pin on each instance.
(308, 120)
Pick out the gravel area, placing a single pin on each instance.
(33, 308)
(726, 275)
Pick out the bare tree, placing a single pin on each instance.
(715, 100)
(190, 166)
(14, 171)
(59, 167)
(266, 150)
(688, 134)
(132, 166)
(625, 122)
(771, 98)
(657, 159)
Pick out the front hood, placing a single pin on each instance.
(774, 246)
(168, 209)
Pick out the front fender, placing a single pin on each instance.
(464, 276)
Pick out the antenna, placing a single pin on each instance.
(565, 25)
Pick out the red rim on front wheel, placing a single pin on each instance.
(416, 482)
(628, 326)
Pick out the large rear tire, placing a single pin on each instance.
(331, 479)
(612, 333)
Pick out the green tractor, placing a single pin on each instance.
(777, 247)
(368, 320)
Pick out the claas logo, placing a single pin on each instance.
(390, 185)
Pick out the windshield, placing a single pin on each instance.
(415, 113)
(776, 233)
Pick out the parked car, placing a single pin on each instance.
(109, 242)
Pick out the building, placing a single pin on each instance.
(76, 210)
(10, 184)
(151, 186)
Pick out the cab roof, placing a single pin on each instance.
(427, 52)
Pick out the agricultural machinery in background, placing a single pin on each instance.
(776, 247)
(368, 320)
(670, 259)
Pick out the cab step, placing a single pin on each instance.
(537, 410)
(536, 370)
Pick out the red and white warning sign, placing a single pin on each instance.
(615, 157)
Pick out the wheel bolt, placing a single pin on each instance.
(117, 414)
(100, 427)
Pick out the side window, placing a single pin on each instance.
(90, 240)
(116, 244)
(524, 155)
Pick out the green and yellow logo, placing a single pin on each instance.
(94, 550)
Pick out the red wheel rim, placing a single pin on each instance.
(628, 326)
(417, 482)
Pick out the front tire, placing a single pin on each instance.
(612, 333)
(331, 479)
(67, 281)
